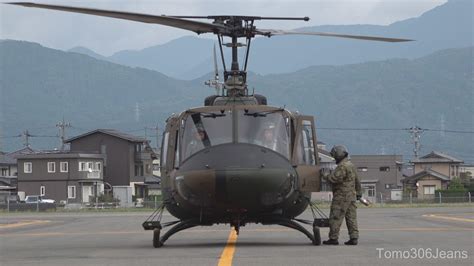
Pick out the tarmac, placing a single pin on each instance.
(388, 236)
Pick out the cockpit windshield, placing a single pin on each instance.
(267, 129)
(202, 130)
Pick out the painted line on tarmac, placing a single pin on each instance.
(228, 252)
(23, 223)
(449, 218)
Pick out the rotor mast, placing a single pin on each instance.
(235, 80)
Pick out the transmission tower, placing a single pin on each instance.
(415, 136)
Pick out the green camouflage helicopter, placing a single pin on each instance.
(235, 160)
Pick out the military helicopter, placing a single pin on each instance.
(235, 160)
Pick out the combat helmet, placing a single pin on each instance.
(339, 152)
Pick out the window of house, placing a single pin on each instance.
(98, 166)
(138, 170)
(90, 166)
(82, 166)
(148, 168)
(51, 167)
(429, 190)
(42, 190)
(384, 169)
(28, 167)
(138, 147)
(63, 167)
(71, 192)
(370, 191)
(362, 169)
(4, 172)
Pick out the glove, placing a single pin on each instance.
(324, 172)
(358, 197)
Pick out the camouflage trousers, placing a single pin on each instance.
(341, 209)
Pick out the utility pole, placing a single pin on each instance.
(415, 136)
(62, 125)
(157, 135)
(26, 138)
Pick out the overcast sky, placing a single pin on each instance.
(63, 30)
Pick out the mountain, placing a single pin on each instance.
(447, 26)
(173, 58)
(434, 92)
(87, 51)
(40, 86)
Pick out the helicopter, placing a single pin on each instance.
(235, 160)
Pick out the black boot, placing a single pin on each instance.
(331, 242)
(351, 242)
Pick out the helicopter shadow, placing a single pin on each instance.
(225, 244)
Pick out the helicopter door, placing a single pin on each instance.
(305, 155)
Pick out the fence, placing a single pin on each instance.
(8, 206)
(15, 206)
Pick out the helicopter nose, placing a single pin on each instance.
(243, 175)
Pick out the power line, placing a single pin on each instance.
(394, 129)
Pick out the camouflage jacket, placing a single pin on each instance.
(345, 182)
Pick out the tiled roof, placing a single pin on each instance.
(111, 132)
(424, 173)
(436, 156)
(10, 158)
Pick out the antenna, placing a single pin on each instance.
(215, 82)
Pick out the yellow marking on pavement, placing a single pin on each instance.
(228, 252)
(449, 218)
(23, 223)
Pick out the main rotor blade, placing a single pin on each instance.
(196, 26)
(270, 32)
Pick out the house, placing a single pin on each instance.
(467, 170)
(128, 159)
(431, 172)
(9, 171)
(380, 176)
(69, 177)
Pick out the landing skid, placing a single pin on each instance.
(153, 222)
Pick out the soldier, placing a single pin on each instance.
(346, 190)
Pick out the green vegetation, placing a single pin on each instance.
(42, 85)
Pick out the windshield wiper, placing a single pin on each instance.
(213, 115)
(206, 115)
(261, 113)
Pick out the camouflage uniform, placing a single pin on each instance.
(345, 186)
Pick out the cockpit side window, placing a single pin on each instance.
(164, 151)
(306, 145)
(267, 129)
(203, 130)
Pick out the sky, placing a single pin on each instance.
(63, 30)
